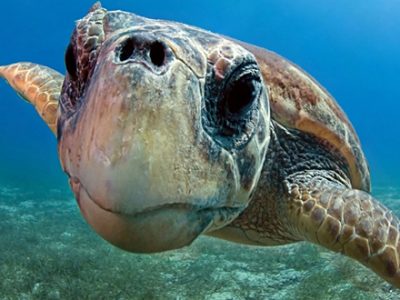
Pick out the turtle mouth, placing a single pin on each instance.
(154, 229)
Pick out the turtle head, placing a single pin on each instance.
(162, 129)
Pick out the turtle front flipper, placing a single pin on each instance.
(39, 85)
(348, 221)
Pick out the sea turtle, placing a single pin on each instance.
(167, 131)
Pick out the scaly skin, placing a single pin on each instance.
(304, 194)
(348, 221)
(39, 85)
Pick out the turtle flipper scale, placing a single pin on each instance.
(39, 85)
(348, 221)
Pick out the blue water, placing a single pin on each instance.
(351, 47)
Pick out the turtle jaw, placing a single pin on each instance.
(157, 229)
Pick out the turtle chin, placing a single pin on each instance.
(157, 229)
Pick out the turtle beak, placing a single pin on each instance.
(159, 229)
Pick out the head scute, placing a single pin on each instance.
(95, 7)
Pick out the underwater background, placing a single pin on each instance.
(48, 252)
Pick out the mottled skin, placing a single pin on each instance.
(167, 132)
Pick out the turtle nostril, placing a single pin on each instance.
(140, 49)
(157, 53)
(126, 50)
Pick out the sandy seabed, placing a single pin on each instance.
(47, 251)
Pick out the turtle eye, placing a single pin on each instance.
(231, 109)
(70, 62)
(240, 94)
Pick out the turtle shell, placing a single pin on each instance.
(298, 101)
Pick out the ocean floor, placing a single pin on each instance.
(47, 251)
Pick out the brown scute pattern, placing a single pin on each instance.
(298, 101)
(39, 85)
(351, 222)
(90, 35)
(222, 59)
